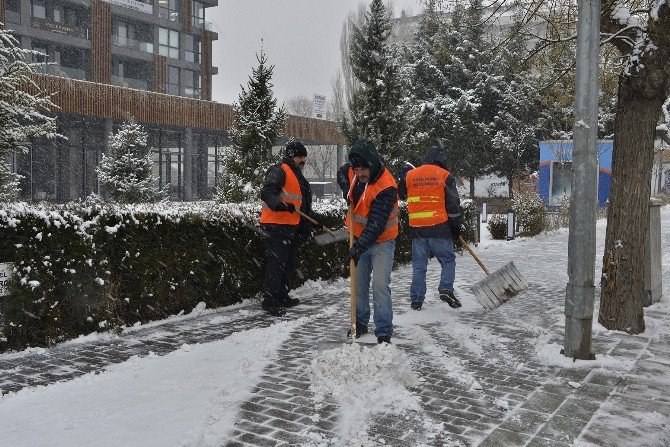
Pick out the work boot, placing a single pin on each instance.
(449, 298)
(361, 329)
(384, 339)
(416, 305)
(273, 309)
(287, 301)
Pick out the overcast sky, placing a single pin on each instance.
(300, 37)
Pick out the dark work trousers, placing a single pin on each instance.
(279, 265)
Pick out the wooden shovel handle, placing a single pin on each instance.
(352, 276)
(467, 247)
(325, 228)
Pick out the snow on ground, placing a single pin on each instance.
(365, 381)
(186, 398)
(190, 397)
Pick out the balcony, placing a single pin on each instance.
(127, 42)
(199, 23)
(137, 84)
(61, 71)
(60, 28)
(13, 16)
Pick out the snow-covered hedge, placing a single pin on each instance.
(85, 267)
(92, 266)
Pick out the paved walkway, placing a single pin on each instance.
(522, 402)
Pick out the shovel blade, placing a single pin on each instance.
(326, 238)
(499, 286)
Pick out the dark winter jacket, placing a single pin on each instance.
(435, 156)
(275, 178)
(380, 209)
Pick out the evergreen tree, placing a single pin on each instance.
(516, 126)
(376, 108)
(258, 125)
(126, 173)
(454, 89)
(21, 113)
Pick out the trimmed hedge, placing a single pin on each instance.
(85, 266)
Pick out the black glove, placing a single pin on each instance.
(285, 207)
(355, 254)
(455, 228)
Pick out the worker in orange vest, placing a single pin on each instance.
(284, 191)
(435, 221)
(373, 194)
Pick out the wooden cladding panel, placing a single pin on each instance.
(3, 8)
(76, 97)
(186, 19)
(160, 73)
(206, 66)
(101, 24)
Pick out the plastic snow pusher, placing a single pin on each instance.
(498, 286)
(329, 236)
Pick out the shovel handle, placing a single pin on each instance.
(352, 276)
(325, 228)
(467, 247)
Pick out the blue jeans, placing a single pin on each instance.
(443, 250)
(376, 261)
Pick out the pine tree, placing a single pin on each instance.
(454, 89)
(21, 113)
(376, 108)
(126, 173)
(258, 125)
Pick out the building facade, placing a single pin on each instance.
(110, 61)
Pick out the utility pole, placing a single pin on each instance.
(580, 291)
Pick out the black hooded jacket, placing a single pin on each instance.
(380, 209)
(435, 156)
(275, 178)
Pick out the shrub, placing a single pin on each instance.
(470, 216)
(497, 225)
(530, 214)
(86, 266)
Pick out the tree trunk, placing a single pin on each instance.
(510, 186)
(472, 187)
(622, 282)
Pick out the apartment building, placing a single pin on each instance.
(108, 61)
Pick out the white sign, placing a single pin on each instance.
(319, 107)
(133, 4)
(6, 272)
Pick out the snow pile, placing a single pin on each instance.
(364, 381)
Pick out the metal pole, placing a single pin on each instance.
(580, 291)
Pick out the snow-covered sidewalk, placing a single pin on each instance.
(470, 377)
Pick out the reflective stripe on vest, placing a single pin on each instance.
(362, 209)
(425, 196)
(290, 194)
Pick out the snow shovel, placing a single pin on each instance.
(498, 286)
(329, 236)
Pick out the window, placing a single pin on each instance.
(42, 56)
(59, 17)
(561, 180)
(168, 43)
(191, 48)
(39, 10)
(172, 87)
(169, 9)
(191, 84)
(198, 14)
(71, 17)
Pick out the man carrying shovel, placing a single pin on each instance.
(372, 193)
(285, 191)
(435, 220)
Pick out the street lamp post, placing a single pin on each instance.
(580, 290)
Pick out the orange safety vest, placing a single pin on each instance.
(425, 196)
(362, 209)
(290, 194)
